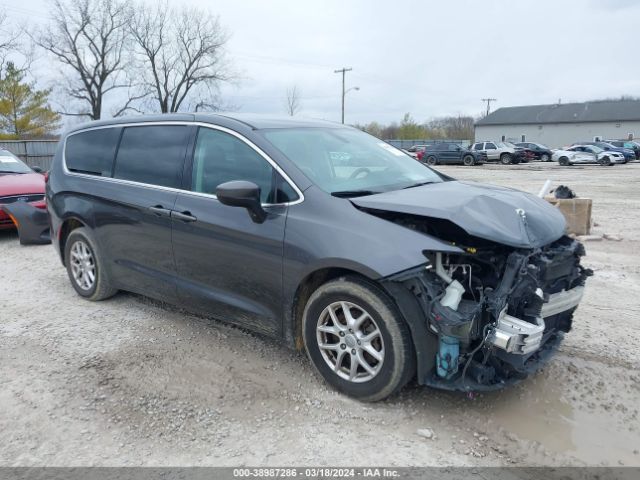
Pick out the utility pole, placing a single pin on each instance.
(343, 71)
(489, 100)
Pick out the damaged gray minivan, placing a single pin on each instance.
(383, 269)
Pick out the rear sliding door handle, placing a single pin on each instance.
(160, 211)
(184, 216)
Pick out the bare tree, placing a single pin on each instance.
(90, 38)
(181, 55)
(9, 40)
(292, 101)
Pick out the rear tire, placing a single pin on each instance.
(85, 266)
(505, 159)
(333, 339)
(431, 160)
(468, 160)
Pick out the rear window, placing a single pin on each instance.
(152, 155)
(92, 152)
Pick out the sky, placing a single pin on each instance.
(428, 58)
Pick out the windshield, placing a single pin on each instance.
(9, 163)
(504, 145)
(544, 147)
(596, 149)
(348, 161)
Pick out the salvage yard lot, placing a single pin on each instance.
(129, 381)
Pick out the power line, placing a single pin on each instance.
(489, 100)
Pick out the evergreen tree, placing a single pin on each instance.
(24, 111)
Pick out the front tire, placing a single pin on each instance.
(564, 161)
(505, 158)
(544, 157)
(357, 339)
(431, 160)
(85, 266)
(606, 161)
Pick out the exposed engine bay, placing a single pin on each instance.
(497, 311)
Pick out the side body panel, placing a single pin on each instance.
(228, 265)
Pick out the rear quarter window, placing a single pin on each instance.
(153, 155)
(92, 152)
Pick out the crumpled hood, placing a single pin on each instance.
(21, 183)
(499, 214)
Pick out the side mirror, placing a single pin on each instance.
(240, 193)
(458, 149)
(37, 169)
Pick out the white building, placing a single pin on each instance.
(562, 124)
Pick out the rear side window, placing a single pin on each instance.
(92, 152)
(153, 154)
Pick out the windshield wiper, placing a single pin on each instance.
(10, 171)
(417, 185)
(353, 193)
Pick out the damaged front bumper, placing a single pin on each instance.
(514, 335)
(32, 222)
(492, 321)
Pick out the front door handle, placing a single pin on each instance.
(160, 211)
(184, 216)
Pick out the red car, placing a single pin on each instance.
(18, 183)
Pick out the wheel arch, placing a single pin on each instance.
(305, 289)
(424, 343)
(67, 226)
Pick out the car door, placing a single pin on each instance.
(133, 222)
(451, 153)
(228, 265)
(491, 150)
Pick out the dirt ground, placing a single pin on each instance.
(130, 381)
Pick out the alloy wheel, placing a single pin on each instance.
(350, 341)
(83, 266)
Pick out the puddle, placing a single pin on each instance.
(538, 411)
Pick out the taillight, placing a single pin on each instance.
(46, 176)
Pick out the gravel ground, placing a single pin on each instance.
(131, 381)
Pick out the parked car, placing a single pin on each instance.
(598, 155)
(453, 153)
(18, 183)
(568, 157)
(573, 156)
(540, 152)
(628, 154)
(416, 151)
(526, 155)
(384, 270)
(630, 144)
(498, 151)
